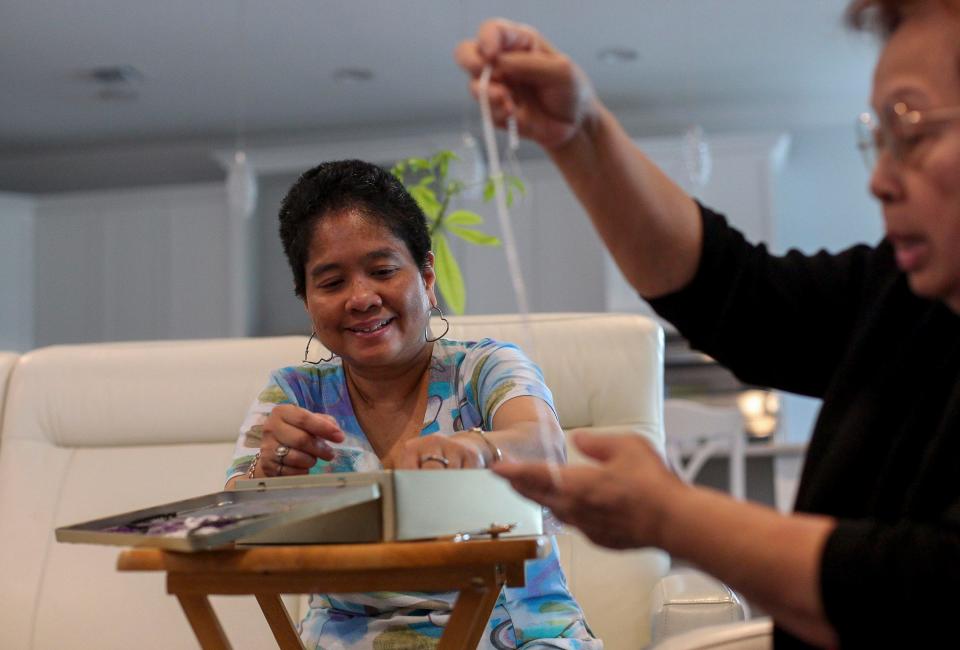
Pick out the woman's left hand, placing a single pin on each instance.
(437, 451)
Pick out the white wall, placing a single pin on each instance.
(16, 272)
(740, 186)
(560, 254)
(821, 195)
(276, 309)
(154, 263)
(133, 264)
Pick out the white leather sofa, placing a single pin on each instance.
(7, 361)
(94, 430)
(756, 634)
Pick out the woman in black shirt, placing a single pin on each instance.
(871, 558)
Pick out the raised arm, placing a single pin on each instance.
(649, 224)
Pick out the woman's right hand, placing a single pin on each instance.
(305, 434)
(621, 501)
(546, 92)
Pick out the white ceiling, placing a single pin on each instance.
(732, 64)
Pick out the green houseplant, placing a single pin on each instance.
(430, 183)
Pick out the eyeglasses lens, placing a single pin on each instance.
(868, 135)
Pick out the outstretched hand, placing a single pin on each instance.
(436, 451)
(547, 94)
(620, 502)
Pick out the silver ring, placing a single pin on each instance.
(281, 453)
(280, 468)
(443, 460)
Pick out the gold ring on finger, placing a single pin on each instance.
(443, 460)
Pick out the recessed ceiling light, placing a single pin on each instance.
(353, 75)
(618, 55)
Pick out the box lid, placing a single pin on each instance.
(218, 519)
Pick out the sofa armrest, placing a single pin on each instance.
(688, 599)
(756, 634)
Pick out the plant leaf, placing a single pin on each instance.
(427, 201)
(441, 160)
(419, 164)
(489, 190)
(449, 279)
(474, 236)
(510, 184)
(517, 184)
(454, 187)
(463, 218)
(513, 184)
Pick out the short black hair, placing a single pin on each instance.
(335, 186)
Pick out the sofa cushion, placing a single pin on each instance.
(7, 361)
(128, 394)
(690, 599)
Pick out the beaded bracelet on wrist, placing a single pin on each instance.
(253, 465)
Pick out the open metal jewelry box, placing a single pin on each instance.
(383, 506)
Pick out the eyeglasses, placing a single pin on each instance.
(900, 132)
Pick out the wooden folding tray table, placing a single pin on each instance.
(478, 569)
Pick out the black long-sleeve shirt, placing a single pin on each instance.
(884, 457)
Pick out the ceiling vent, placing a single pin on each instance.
(617, 55)
(353, 75)
(116, 82)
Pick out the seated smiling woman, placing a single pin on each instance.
(394, 396)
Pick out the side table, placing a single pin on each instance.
(478, 569)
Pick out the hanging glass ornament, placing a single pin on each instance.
(696, 158)
(241, 186)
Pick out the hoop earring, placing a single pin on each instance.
(306, 353)
(445, 322)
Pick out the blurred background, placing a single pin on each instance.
(126, 212)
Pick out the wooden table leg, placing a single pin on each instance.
(204, 622)
(471, 613)
(283, 628)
